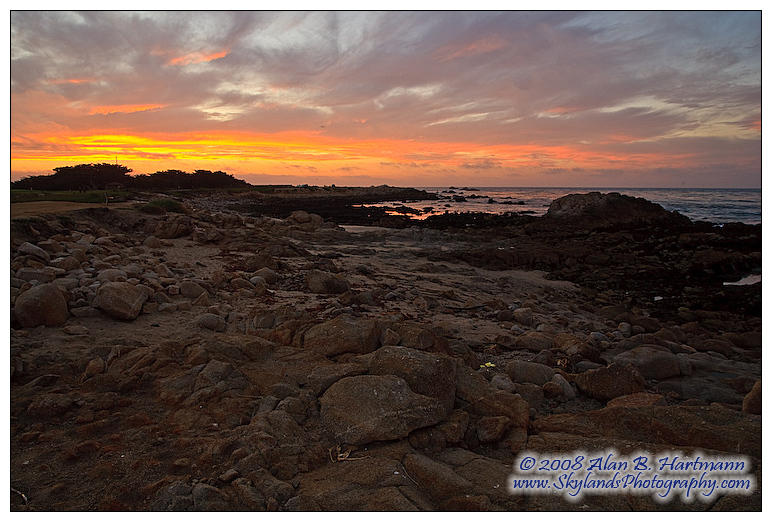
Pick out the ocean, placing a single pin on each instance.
(714, 205)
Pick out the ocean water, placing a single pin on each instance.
(714, 205)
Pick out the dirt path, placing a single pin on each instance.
(36, 208)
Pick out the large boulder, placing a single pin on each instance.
(654, 362)
(120, 300)
(321, 282)
(35, 251)
(367, 408)
(430, 374)
(609, 382)
(344, 334)
(41, 305)
(598, 210)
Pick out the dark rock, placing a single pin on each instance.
(654, 362)
(598, 210)
(367, 408)
(635, 400)
(609, 382)
(191, 289)
(429, 374)
(529, 372)
(321, 282)
(41, 305)
(342, 335)
(35, 251)
(120, 300)
(211, 322)
(491, 429)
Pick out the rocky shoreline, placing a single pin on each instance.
(220, 360)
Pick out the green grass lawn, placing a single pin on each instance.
(88, 196)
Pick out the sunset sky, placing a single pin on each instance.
(641, 99)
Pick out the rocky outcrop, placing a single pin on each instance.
(599, 210)
(429, 374)
(343, 334)
(368, 408)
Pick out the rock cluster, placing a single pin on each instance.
(219, 361)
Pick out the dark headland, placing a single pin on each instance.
(287, 349)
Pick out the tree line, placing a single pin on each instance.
(107, 176)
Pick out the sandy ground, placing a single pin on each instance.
(36, 208)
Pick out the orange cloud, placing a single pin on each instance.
(113, 109)
(245, 153)
(198, 57)
(63, 81)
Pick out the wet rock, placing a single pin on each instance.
(429, 374)
(752, 401)
(609, 382)
(120, 300)
(41, 305)
(367, 408)
(652, 361)
(524, 371)
(321, 282)
(343, 334)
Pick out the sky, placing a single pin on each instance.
(569, 99)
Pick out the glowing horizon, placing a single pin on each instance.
(423, 99)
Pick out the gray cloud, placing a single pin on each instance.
(618, 82)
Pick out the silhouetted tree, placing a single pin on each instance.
(89, 176)
(103, 175)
